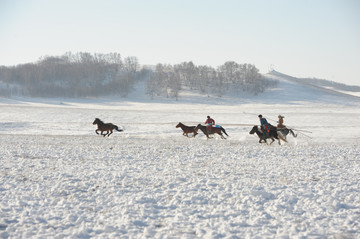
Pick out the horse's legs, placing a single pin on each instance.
(272, 140)
(110, 133)
(284, 139)
(222, 136)
(96, 131)
(263, 139)
(206, 133)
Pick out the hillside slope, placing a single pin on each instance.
(294, 90)
(289, 90)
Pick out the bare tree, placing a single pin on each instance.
(131, 64)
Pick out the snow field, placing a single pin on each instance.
(85, 186)
(58, 179)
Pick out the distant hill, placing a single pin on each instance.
(288, 90)
(319, 82)
(292, 89)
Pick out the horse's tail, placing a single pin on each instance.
(292, 132)
(223, 130)
(117, 128)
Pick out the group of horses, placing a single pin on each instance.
(274, 133)
(206, 130)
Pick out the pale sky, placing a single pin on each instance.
(303, 38)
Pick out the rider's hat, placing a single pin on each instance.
(280, 116)
(259, 115)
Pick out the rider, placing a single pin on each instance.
(265, 126)
(281, 122)
(209, 123)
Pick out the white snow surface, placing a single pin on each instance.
(61, 180)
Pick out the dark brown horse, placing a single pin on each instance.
(212, 130)
(108, 127)
(273, 134)
(187, 129)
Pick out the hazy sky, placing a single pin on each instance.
(303, 38)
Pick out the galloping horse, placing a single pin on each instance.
(213, 130)
(272, 134)
(283, 132)
(105, 127)
(187, 129)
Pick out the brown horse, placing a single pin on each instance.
(272, 134)
(108, 127)
(187, 129)
(213, 130)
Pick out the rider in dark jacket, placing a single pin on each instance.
(265, 126)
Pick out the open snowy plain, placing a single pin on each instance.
(61, 180)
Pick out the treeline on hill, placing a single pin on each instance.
(91, 75)
(169, 80)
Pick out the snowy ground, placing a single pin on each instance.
(61, 180)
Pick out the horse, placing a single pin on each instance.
(213, 130)
(283, 132)
(187, 129)
(105, 127)
(272, 134)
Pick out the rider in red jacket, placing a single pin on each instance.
(209, 123)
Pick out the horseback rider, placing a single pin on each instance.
(209, 123)
(265, 126)
(281, 122)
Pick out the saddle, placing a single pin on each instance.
(268, 129)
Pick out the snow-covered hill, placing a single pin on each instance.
(289, 90)
(296, 89)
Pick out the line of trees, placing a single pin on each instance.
(91, 75)
(71, 75)
(169, 80)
